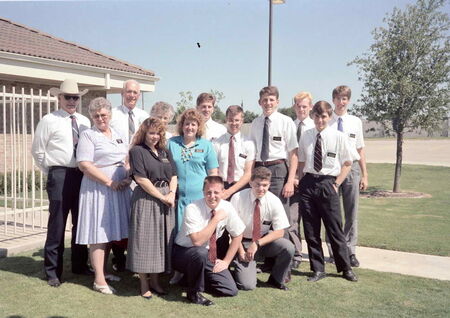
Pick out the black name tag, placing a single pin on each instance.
(277, 138)
(119, 141)
(243, 156)
(198, 150)
(267, 222)
(331, 154)
(352, 136)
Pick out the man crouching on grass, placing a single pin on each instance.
(265, 221)
(325, 160)
(196, 254)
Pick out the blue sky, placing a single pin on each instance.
(313, 40)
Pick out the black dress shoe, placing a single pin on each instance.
(354, 261)
(349, 275)
(54, 282)
(331, 260)
(317, 276)
(199, 299)
(272, 282)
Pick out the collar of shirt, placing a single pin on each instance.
(180, 141)
(336, 116)
(322, 133)
(126, 110)
(236, 136)
(65, 114)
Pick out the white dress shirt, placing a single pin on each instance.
(197, 216)
(97, 148)
(213, 130)
(272, 212)
(335, 151)
(119, 120)
(244, 151)
(352, 127)
(282, 136)
(307, 123)
(53, 140)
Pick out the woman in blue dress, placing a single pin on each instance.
(194, 157)
(105, 194)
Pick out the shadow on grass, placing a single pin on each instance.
(128, 286)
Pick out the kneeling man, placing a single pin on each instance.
(196, 254)
(261, 211)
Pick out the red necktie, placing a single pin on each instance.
(256, 233)
(231, 161)
(212, 253)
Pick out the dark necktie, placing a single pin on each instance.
(340, 128)
(231, 161)
(256, 232)
(299, 130)
(130, 125)
(265, 141)
(212, 253)
(75, 134)
(318, 154)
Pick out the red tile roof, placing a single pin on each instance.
(20, 39)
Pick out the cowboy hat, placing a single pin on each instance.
(69, 86)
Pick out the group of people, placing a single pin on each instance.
(204, 201)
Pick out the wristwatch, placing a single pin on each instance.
(336, 184)
(257, 243)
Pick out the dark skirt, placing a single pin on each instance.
(151, 233)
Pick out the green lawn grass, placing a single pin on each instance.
(410, 225)
(25, 294)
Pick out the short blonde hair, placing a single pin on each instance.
(194, 115)
(303, 95)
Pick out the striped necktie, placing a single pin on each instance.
(131, 129)
(318, 154)
(75, 134)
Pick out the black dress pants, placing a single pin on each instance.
(320, 202)
(63, 188)
(193, 262)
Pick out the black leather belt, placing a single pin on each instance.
(269, 163)
(319, 176)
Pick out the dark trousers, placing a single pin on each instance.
(193, 262)
(294, 230)
(319, 201)
(63, 188)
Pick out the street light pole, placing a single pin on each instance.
(271, 3)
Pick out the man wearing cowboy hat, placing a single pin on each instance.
(54, 149)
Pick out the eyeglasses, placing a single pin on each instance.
(103, 116)
(69, 97)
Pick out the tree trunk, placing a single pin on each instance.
(398, 162)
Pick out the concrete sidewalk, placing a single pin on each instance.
(413, 264)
